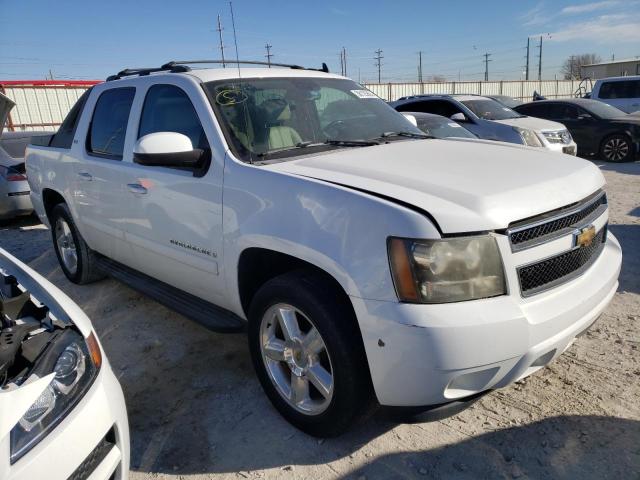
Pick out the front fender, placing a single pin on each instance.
(339, 230)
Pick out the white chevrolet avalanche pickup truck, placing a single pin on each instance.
(371, 264)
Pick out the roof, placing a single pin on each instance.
(49, 83)
(624, 60)
(618, 79)
(575, 101)
(232, 73)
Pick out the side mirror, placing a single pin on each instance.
(458, 117)
(168, 149)
(411, 118)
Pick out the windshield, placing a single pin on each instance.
(489, 109)
(284, 117)
(441, 127)
(508, 101)
(604, 110)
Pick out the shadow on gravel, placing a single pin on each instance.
(572, 447)
(629, 238)
(628, 168)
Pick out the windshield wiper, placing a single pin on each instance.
(351, 143)
(405, 134)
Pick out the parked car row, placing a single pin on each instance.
(573, 126)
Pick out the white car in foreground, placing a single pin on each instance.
(371, 262)
(62, 412)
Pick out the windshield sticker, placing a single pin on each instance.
(454, 125)
(231, 97)
(364, 94)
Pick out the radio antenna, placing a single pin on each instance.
(235, 38)
(244, 104)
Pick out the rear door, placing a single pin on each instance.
(98, 177)
(174, 220)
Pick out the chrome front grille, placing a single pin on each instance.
(550, 272)
(546, 227)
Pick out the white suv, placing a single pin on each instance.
(370, 262)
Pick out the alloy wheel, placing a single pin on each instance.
(616, 149)
(296, 358)
(66, 246)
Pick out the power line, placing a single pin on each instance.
(378, 63)
(269, 54)
(486, 66)
(219, 29)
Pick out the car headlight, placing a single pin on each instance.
(561, 136)
(529, 137)
(75, 362)
(446, 270)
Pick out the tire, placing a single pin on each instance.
(72, 248)
(616, 148)
(315, 304)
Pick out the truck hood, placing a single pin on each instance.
(533, 123)
(6, 105)
(466, 185)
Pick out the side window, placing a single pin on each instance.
(64, 136)
(167, 108)
(568, 112)
(613, 90)
(109, 123)
(533, 111)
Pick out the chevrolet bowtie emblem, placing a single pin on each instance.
(585, 236)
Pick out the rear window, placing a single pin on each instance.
(109, 123)
(621, 89)
(64, 136)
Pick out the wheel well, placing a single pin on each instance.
(259, 265)
(51, 198)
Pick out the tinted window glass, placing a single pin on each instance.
(539, 110)
(437, 107)
(625, 89)
(167, 108)
(489, 109)
(441, 127)
(64, 136)
(109, 122)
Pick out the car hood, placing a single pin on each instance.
(631, 118)
(6, 104)
(466, 185)
(533, 123)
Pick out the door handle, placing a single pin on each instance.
(85, 176)
(136, 188)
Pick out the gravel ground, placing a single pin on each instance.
(197, 411)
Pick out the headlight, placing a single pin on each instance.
(446, 270)
(529, 137)
(75, 362)
(561, 136)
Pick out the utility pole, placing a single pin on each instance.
(50, 75)
(540, 59)
(527, 70)
(571, 64)
(486, 66)
(341, 64)
(378, 63)
(219, 29)
(269, 54)
(420, 66)
(344, 61)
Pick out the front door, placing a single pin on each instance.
(175, 222)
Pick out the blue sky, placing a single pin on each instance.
(90, 39)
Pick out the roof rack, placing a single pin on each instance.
(178, 66)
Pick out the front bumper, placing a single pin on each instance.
(566, 148)
(433, 354)
(77, 444)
